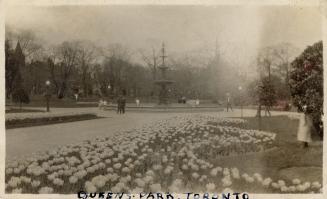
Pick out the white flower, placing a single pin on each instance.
(14, 182)
(249, 179)
(126, 170)
(9, 171)
(16, 170)
(275, 185)
(300, 188)
(281, 183)
(155, 188)
(235, 173)
(139, 182)
(90, 169)
(108, 161)
(101, 165)
(148, 179)
(226, 172)
(316, 185)
(73, 179)
(25, 179)
(214, 172)
(307, 185)
(292, 188)
(266, 182)
(284, 188)
(258, 177)
(89, 187)
(137, 190)
(176, 186)
(17, 190)
(210, 187)
(35, 183)
(117, 166)
(228, 190)
(164, 159)
(226, 181)
(184, 167)
(46, 190)
(195, 175)
(116, 189)
(99, 181)
(110, 170)
(156, 167)
(150, 173)
(58, 181)
(195, 167)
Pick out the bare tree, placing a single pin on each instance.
(31, 46)
(276, 59)
(284, 53)
(152, 62)
(62, 64)
(88, 54)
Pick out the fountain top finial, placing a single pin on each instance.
(163, 56)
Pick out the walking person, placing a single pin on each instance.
(304, 130)
(267, 110)
(229, 103)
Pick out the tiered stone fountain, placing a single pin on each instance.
(163, 82)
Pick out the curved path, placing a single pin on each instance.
(25, 141)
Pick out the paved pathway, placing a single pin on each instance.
(24, 141)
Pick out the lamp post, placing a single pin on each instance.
(241, 101)
(47, 95)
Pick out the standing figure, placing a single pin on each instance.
(304, 130)
(123, 104)
(229, 103)
(100, 105)
(267, 110)
(197, 102)
(119, 102)
(137, 101)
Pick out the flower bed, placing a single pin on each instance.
(16, 120)
(175, 155)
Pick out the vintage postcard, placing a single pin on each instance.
(162, 99)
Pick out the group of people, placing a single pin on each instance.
(121, 104)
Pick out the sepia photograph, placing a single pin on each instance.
(163, 99)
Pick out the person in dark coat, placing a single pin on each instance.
(119, 102)
(123, 104)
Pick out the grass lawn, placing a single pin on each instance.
(288, 160)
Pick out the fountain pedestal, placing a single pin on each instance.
(163, 82)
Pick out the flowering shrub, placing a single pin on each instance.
(33, 115)
(175, 155)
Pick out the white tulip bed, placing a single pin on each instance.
(175, 155)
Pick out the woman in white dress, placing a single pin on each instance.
(304, 131)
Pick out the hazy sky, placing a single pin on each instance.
(240, 30)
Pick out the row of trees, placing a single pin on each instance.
(84, 68)
(295, 79)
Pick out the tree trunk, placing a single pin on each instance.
(62, 90)
(259, 111)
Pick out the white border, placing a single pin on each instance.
(4, 4)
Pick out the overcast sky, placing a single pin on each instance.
(240, 30)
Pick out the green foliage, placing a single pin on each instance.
(306, 82)
(263, 92)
